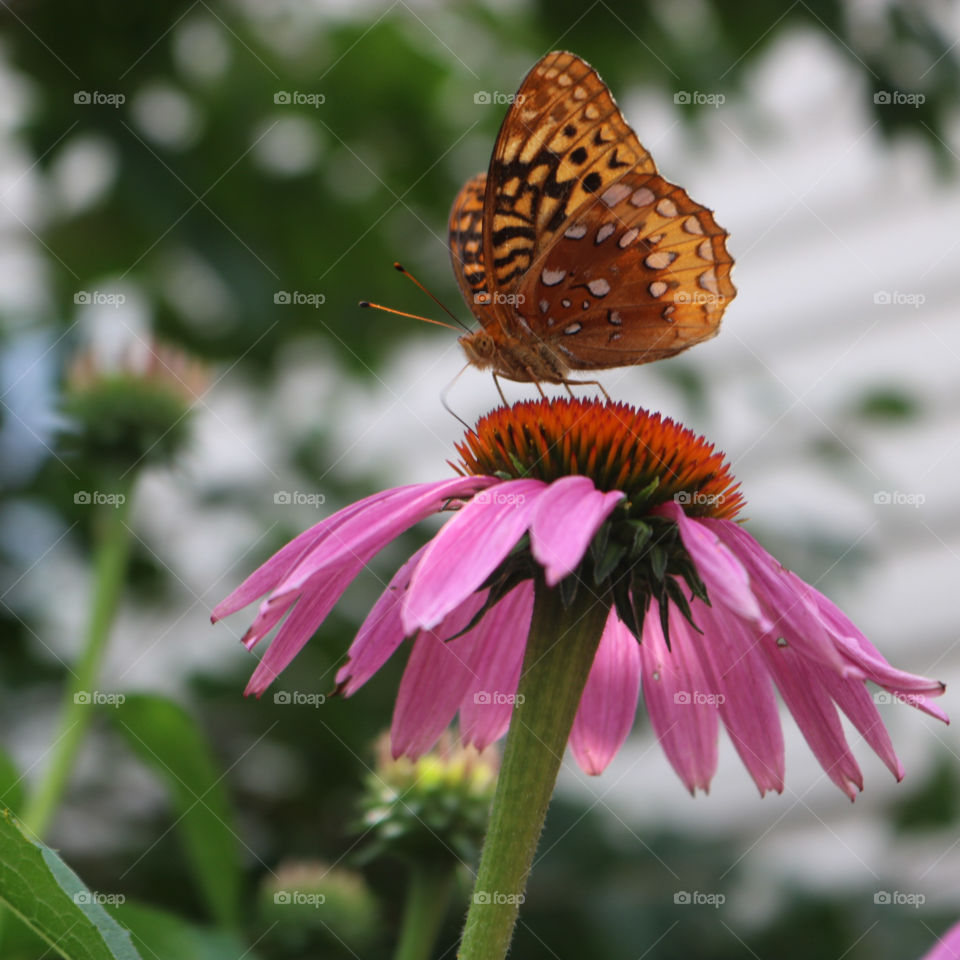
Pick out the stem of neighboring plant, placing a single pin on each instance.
(111, 550)
(428, 897)
(560, 651)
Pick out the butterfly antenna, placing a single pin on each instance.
(443, 398)
(401, 313)
(442, 306)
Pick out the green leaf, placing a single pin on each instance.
(11, 784)
(165, 936)
(169, 741)
(54, 902)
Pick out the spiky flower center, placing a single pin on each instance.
(650, 458)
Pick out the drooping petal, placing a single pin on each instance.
(947, 946)
(734, 666)
(269, 574)
(497, 660)
(366, 532)
(855, 647)
(609, 702)
(724, 575)
(676, 695)
(787, 608)
(467, 550)
(306, 616)
(814, 712)
(853, 698)
(566, 517)
(436, 676)
(380, 633)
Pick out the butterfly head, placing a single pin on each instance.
(480, 348)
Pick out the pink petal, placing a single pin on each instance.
(566, 517)
(855, 701)
(947, 946)
(609, 702)
(814, 713)
(435, 679)
(674, 687)
(365, 533)
(790, 612)
(498, 658)
(467, 550)
(724, 575)
(379, 635)
(307, 615)
(271, 612)
(734, 667)
(267, 576)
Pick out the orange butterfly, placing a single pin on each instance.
(572, 252)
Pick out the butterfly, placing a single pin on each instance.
(572, 251)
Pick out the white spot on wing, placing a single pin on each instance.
(575, 232)
(628, 238)
(551, 278)
(599, 287)
(544, 306)
(572, 328)
(692, 225)
(708, 280)
(613, 195)
(658, 288)
(615, 318)
(667, 208)
(642, 197)
(604, 232)
(660, 259)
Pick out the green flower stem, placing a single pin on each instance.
(428, 898)
(559, 654)
(110, 565)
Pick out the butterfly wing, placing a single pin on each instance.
(465, 233)
(563, 140)
(638, 274)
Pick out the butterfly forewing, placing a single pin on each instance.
(563, 140)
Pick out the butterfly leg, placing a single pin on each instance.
(496, 381)
(587, 383)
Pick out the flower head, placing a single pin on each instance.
(578, 495)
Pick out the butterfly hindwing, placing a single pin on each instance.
(466, 242)
(639, 274)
